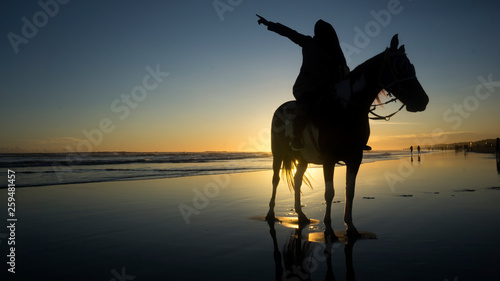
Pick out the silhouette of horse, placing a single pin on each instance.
(339, 129)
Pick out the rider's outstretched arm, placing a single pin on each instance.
(282, 30)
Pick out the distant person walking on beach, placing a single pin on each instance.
(418, 150)
(323, 65)
(497, 152)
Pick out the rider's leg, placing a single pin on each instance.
(306, 101)
(299, 123)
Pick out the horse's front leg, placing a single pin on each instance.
(328, 170)
(299, 174)
(352, 171)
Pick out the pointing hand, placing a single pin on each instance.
(262, 21)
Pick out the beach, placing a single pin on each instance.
(435, 218)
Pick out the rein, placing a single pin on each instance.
(387, 117)
(374, 106)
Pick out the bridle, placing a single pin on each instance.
(387, 117)
(395, 80)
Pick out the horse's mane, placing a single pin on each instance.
(360, 69)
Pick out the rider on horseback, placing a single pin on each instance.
(323, 65)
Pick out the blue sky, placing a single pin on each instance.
(226, 74)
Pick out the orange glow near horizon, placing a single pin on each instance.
(241, 142)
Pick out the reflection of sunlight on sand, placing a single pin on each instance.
(290, 222)
(293, 222)
(319, 237)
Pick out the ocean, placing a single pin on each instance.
(41, 169)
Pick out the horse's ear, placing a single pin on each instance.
(394, 42)
(402, 48)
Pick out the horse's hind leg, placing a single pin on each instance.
(352, 171)
(299, 174)
(329, 191)
(276, 180)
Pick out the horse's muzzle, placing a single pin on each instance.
(411, 93)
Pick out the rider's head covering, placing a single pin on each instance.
(325, 33)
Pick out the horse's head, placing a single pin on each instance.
(398, 77)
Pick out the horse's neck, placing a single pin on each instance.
(364, 83)
(355, 94)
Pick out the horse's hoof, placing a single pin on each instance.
(352, 233)
(271, 218)
(304, 220)
(330, 234)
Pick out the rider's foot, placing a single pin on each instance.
(367, 147)
(297, 144)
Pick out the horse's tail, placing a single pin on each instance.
(279, 145)
(288, 173)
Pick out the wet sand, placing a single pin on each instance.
(436, 219)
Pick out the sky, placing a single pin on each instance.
(172, 76)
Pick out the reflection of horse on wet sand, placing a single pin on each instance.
(339, 129)
(302, 258)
